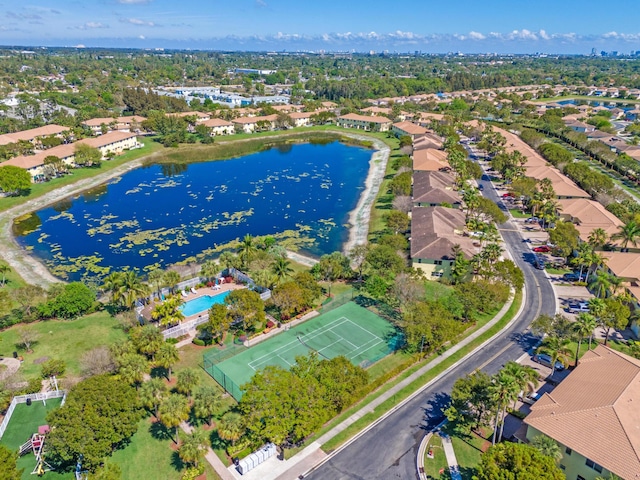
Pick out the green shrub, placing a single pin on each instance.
(172, 341)
(198, 341)
(192, 473)
(53, 367)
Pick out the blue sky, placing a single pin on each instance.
(504, 26)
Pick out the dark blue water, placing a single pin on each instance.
(607, 104)
(163, 214)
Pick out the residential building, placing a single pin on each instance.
(434, 188)
(33, 135)
(563, 186)
(587, 215)
(428, 140)
(252, 124)
(435, 231)
(593, 416)
(364, 122)
(578, 126)
(199, 116)
(430, 159)
(219, 126)
(626, 265)
(109, 144)
(301, 119)
(408, 128)
(120, 124)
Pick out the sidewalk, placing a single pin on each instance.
(312, 456)
(447, 446)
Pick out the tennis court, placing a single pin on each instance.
(350, 331)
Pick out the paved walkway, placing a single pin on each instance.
(12, 365)
(452, 461)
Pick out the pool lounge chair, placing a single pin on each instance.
(184, 294)
(193, 290)
(216, 287)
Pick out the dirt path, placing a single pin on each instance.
(34, 272)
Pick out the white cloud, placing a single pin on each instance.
(476, 36)
(137, 21)
(141, 37)
(261, 3)
(90, 26)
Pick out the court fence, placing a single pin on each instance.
(209, 364)
(337, 301)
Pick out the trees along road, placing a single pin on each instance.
(388, 450)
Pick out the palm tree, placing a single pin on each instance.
(504, 390)
(113, 285)
(171, 279)
(157, 279)
(525, 377)
(231, 427)
(584, 326)
(207, 401)
(547, 446)
(246, 250)
(227, 260)
(598, 238)
(583, 258)
(629, 234)
(187, 381)
(194, 447)
(132, 288)
(4, 269)
(558, 350)
(132, 368)
(151, 394)
(209, 269)
(174, 410)
(166, 357)
(282, 269)
(168, 312)
(600, 283)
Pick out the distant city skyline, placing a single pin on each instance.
(501, 26)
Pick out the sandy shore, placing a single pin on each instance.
(35, 272)
(359, 217)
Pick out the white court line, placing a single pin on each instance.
(356, 350)
(317, 332)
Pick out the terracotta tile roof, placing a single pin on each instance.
(563, 186)
(428, 140)
(248, 120)
(299, 115)
(594, 411)
(430, 159)
(434, 187)
(435, 230)
(364, 118)
(190, 114)
(96, 122)
(216, 122)
(588, 212)
(410, 128)
(382, 110)
(29, 135)
(624, 264)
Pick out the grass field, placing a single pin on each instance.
(349, 330)
(63, 340)
(25, 422)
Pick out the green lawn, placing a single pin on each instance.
(63, 340)
(435, 290)
(25, 422)
(468, 452)
(517, 213)
(433, 466)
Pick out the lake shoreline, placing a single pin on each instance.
(33, 271)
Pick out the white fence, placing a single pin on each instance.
(23, 399)
(184, 328)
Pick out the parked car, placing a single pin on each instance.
(544, 359)
(581, 307)
(542, 249)
(532, 220)
(571, 277)
(530, 398)
(508, 195)
(481, 187)
(539, 263)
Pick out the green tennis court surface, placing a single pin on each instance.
(350, 330)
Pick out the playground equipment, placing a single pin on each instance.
(36, 445)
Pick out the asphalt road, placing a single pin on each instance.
(388, 451)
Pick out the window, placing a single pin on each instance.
(437, 262)
(562, 467)
(594, 465)
(436, 274)
(580, 477)
(568, 451)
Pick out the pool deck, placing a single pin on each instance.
(201, 292)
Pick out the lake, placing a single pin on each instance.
(162, 214)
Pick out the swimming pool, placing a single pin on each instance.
(201, 304)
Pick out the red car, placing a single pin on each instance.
(542, 249)
(507, 195)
